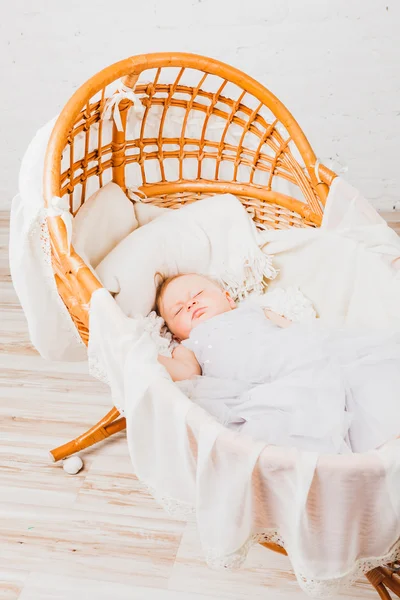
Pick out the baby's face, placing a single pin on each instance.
(190, 300)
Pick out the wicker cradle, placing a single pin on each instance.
(218, 90)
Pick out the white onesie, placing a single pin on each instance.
(299, 386)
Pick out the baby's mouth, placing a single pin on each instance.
(198, 312)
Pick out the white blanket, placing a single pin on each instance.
(337, 516)
(242, 491)
(345, 266)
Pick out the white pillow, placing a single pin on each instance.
(102, 222)
(214, 237)
(146, 212)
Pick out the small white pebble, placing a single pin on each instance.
(72, 465)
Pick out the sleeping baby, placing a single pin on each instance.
(303, 385)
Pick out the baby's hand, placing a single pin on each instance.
(277, 319)
(182, 353)
(182, 365)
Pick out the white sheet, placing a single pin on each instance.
(51, 328)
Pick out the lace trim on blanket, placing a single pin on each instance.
(317, 588)
(330, 588)
(174, 508)
(96, 369)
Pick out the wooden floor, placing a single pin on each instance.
(97, 535)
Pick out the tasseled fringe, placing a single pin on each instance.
(255, 277)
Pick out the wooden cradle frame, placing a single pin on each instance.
(282, 151)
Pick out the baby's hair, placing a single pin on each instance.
(164, 281)
(162, 284)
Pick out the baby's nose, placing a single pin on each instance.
(191, 303)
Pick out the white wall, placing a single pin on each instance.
(335, 64)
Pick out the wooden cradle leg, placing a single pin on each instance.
(107, 426)
(274, 547)
(384, 578)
